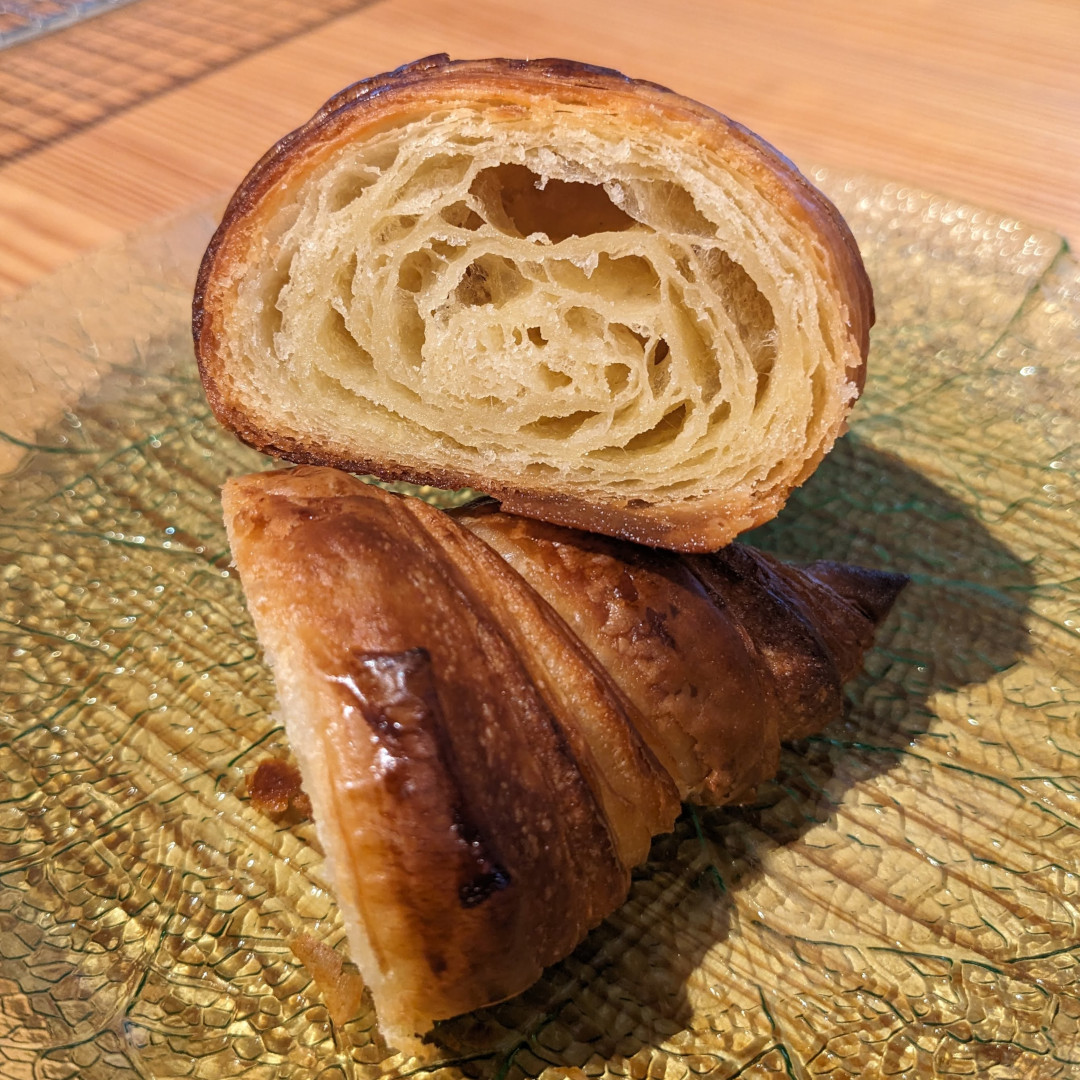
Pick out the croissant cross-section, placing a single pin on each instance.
(603, 303)
(493, 716)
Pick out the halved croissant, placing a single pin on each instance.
(605, 304)
(494, 716)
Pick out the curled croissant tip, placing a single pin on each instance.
(873, 592)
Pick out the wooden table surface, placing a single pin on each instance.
(978, 99)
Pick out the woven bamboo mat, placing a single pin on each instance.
(62, 82)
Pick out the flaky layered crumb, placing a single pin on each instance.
(599, 305)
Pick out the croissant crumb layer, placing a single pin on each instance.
(593, 292)
(542, 312)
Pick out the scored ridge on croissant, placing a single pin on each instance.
(493, 716)
(601, 302)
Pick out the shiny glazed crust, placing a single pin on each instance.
(493, 716)
(604, 304)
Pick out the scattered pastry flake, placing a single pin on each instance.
(339, 982)
(275, 789)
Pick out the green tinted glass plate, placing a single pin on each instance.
(902, 901)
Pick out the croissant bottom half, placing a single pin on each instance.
(494, 716)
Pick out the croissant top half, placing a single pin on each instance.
(605, 304)
(494, 716)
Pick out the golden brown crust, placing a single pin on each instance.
(694, 676)
(276, 789)
(494, 715)
(723, 655)
(462, 809)
(436, 82)
(341, 987)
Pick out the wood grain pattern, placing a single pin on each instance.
(973, 99)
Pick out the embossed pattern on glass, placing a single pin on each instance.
(903, 900)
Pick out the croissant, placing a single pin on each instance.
(493, 716)
(605, 304)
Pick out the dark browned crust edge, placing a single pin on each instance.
(680, 528)
(811, 661)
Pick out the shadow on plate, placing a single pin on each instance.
(961, 621)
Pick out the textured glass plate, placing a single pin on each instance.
(902, 901)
